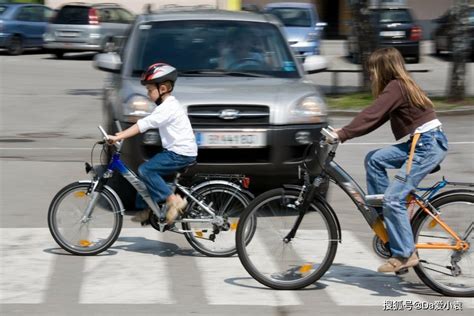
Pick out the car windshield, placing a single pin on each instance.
(72, 15)
(391, 16)
(292, 17)
(214, 48)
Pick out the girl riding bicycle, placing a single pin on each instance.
(400, 100)
(177, 138)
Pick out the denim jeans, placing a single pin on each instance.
(429, 152)
(151, 172)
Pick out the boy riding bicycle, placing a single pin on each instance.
(177, 139)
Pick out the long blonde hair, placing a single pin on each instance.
(385, 65)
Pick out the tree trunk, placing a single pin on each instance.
(365, 29)
(460, 49)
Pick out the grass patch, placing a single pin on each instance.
(360, 100)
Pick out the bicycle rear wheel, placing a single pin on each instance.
(84, 237)
(209, 239)
(272, 260)
(449, 272)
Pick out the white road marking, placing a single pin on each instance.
(225, 282)
(137, 276)
(25, 267)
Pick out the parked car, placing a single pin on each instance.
(86, 27)
(22, 26)
(395, 27)
(302, 26)
(254, 115)
(443, 33)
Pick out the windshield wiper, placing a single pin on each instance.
(219, 72)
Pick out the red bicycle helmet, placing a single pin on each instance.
(159, 73)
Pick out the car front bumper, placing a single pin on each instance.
(406, 48)
(273, 164)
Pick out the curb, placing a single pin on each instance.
(439, 113)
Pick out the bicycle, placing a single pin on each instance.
(85, 217)
(296, 231)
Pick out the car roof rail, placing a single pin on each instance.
(173, 7)
(106, 3)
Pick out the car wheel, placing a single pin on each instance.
(59, 54)
(15, 45)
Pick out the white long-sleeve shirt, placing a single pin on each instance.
(174, 126)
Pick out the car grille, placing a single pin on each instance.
(228, 115)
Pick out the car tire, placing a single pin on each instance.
(58, 54)
(15, 45)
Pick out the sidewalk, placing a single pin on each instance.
(434, 82)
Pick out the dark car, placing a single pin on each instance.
(22, 26)
(443, 33)
(395, 27)
(79, 27)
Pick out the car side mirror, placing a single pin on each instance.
(321, 25)
(109, 62)
(315, 63)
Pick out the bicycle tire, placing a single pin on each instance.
(299, 272)
(429, 270)
(223, 197)
(88, 240)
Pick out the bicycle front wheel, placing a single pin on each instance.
(76, 234)
(272, 259)
(446, 271)
(209, 239)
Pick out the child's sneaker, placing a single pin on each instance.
(175, 207)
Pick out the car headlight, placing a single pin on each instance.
(309, 109)
(137, 107)
(48, 37)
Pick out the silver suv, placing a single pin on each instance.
(86, 27)
(252, 113)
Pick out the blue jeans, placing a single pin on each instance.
(151, 172)
(430, 151)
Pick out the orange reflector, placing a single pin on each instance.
(84, 243)
(432, 224)
(233, 226)
(306, 267)
(80, 194)
(199, 233)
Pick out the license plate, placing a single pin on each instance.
(392, 33)
(68, 34)
(222, 139)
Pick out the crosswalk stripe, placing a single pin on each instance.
(131, 276)
(131, 272)
(227, 283)
(25, 266)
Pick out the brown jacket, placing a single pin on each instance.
(392, 104)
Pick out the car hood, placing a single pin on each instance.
(297, 34)
(280, 95)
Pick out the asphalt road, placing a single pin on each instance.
(49, 112)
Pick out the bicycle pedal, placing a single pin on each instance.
(402, 271)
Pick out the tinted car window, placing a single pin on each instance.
(295, 17)
(390, 16)
(72, 15)
(193, 46)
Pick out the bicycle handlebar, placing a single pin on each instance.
(330, 134)
(118, 144)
